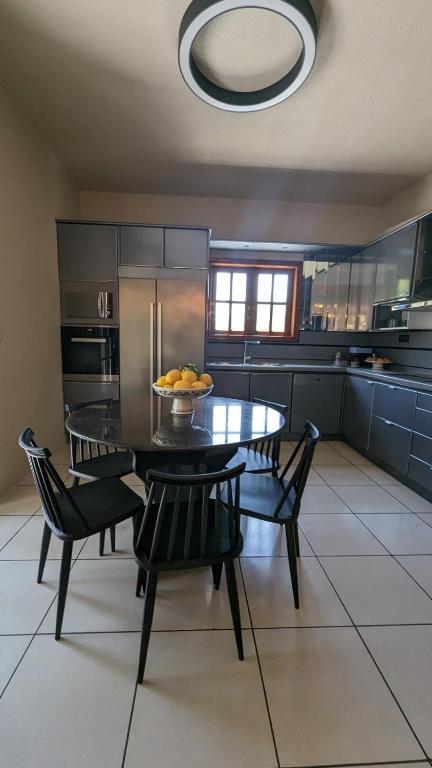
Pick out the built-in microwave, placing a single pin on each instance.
(85, 303)
(90, 353)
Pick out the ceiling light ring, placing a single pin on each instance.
(200, 12)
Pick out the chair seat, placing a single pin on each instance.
(102, 503)
(255, 462)
(260, 495)
(108, 465)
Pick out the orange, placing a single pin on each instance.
(181, 384)
(198, 385)
(173, 376)
(189, 376)
(207, 379)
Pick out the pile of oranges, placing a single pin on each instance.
(184, 379)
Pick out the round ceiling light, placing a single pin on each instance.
(200, 12)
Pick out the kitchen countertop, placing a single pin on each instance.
(398, 378)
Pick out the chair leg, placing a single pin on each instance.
(76, 480)
(63, 585)
(292, 559)
(141, 581)
(150, 596)
(234, 605)
(296, 538)
(113, 537)
(217, 573)
(46, 538)
(101, 543)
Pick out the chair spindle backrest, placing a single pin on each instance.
(305, 446)
(48, 483)
(185, 518)
(270, 448)
(80, 448)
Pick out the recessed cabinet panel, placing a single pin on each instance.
(276, 387)
(395, 264)
(231, 384)
(424, 401)
(423, 423)
(421, 474)
(395, 404)
(141, 246)
(319, 399)
(357, 411)
(87, 251)
(390, 444)
(186, 248)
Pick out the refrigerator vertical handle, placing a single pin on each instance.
(159, 340)
(151, 325)
(100, 302)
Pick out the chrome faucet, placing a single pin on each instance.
(247, 357)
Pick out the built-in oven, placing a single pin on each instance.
(86, 303)
(90, 353)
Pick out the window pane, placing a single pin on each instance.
(264, 286)
(237, 317)
(221, 316)
(219, 418)
(258, 419)
(263, 318)
(278, 318)
(234, 418)
(239, 286)
(223, 286)
(280, 287)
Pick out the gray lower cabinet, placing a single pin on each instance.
(231, 384)
(186, 248)
(141, 246)
(395, 404)
(89, 391)
(317, 397)
(357, 411)
(275, 387)
(87, 251)
(390, 444)
(420, 473)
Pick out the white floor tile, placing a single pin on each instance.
(344, 475)
(133, 480)
(353, 456)
(339, 535)
(267, 539)
(322, 500)
(329, 458)
(268, 587)
(404, 655)
(19, 500)
(328, 702)
(401, 534)
(74, 697)
(101, 598)
(23, 602)
(9, 525)
(369, 499)
(12, 648)
(410, 499)
(376, 590)
(380, 477)
(27, 543)
(200, 706)
(420, 568)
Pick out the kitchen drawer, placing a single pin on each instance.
(421, 448)
(424, 401)
(423, 422)
(395, 404)
(390, 444)
(317, 397)
(231, 384)
(421, 473)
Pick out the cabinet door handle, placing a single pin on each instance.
(370, 382)
(389, 423)
(391, 386)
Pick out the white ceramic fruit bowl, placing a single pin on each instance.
(182, 398)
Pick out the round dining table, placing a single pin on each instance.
(158, 439)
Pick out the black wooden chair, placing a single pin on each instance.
(74, 513)
(182, 528)
(262, 457)
(93, 461)
(277, 500)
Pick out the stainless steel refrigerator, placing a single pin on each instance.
(162, 325)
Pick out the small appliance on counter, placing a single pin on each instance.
(358, 355)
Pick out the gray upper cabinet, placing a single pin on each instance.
(186, 248)
(396, 255)
(87, 251)
(319, 399)
(141, 246)
(362, 290)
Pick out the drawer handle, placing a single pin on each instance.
(389, 423)
(391, 386)
(370, 382)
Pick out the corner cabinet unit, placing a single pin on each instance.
(395, 264)
(87, 251)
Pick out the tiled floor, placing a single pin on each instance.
(346, 680)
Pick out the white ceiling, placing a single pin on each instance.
(100, 82)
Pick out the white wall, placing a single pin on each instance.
(34, 190)
(233, 219)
